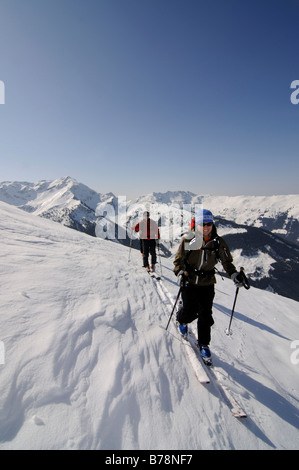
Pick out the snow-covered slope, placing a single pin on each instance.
(88, 363)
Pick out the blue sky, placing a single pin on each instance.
(135, 96)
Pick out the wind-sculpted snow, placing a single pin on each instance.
(89, 365)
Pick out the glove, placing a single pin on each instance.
(238, 279)
(182, 275)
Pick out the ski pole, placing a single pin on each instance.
(160, 258)
(246, 284)
(131, 244)
(158, 241)
(227, 331)
(244, 279)
(176, 301)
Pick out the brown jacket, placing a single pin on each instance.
(199, 259)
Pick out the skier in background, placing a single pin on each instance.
(199, 252)
(149, 233)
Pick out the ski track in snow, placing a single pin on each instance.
(89, 365)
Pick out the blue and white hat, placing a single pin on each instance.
(204, 216)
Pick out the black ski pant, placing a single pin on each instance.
(149, 248)
(198, 303)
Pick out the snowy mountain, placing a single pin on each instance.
(270, 260)
(262, 232)
(74, 204)
(87, 363)
(277, 214)
(63, 200)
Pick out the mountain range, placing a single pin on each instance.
(262, 232)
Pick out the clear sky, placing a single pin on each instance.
(136, 96)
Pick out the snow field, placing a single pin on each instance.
(89, 365)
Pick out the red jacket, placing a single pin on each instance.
(148, 230)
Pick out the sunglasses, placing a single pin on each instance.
(208, 224)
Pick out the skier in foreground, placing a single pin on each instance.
(199, 252)
(149, 233)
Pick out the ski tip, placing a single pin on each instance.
(154, 275)
(203, 381)
(240, 416)
(238, 413)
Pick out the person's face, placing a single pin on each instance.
(205, 229)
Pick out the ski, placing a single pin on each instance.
(192, 354)
(154, 275)
(236, 410)
(203, 372)
(193, 341)
(234, 406)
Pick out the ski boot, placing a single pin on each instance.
(205, 354)
(183, 330)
